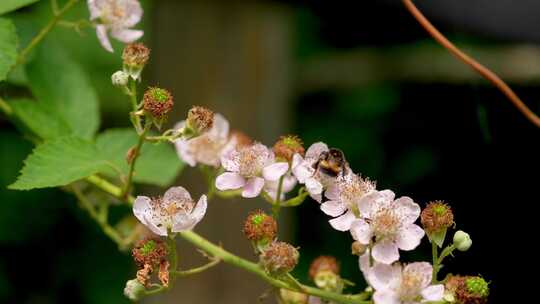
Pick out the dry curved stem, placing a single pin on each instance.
(482, 70)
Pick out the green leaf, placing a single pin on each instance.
(8, 45)
(61, 85)
(59, 162)
(438, 237)
(39, 120)
(158, 164)
(7, 6)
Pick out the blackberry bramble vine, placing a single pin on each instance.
(69, 154)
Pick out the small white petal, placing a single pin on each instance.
(409, 237)
(408, 209)
(274, 171)
(142, 207)
(422, 270)
(228, 160)
(303, 171)
(433, 292)
(316, 149)
(220, 128)
(253, 187)
(333, 208)
(385, 252)
(183, 151)
(388, 195)
(101, 32)
(153, 226)
(230, 181)
(313, 186)
(361, 231)
(343, 223)
(94, 10)
(176, 194)
(134, 13)
(384, 276)
(200, 209)
(385, 297)
(127, 35)
(367, 204)
(332, 192)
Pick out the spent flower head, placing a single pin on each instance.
(287, 146)
(199, 120)
(279, 258)
(134, 57)
(116, 17)
(468, 289)
(388, 223)
(260, 227)
(408, 285)
(158, 102)
(436, 216)
(151, 251)
(174, 212)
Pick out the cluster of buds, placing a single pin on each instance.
(466, 290)
(261, 229)
(150, 254)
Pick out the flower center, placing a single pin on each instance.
(166, 210)
(411, 286)
(353, 188)
(386, 223)
(249, 163)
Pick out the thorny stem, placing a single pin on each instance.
(173, 254)
(44, 31)
(482, 70)
(133, 160)
(227, 257)
(435, 262)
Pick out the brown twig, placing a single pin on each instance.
(482, 70)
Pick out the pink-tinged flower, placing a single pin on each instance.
(395, 284)
(248, 168)
(305, 170)
(389, 223)
(174, 212)
(207, 148)
(116, 17)
(271, 187)
(343, 199)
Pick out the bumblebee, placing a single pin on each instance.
(331, 163)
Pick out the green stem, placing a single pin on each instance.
(446, 252)
(5, 107)
(230, 258)
(173, 254)
(101, 220)
(276, 206)
(435, 259)
(197, 270)
(44, 31)
(137, 151)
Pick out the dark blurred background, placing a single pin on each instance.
(363, 77)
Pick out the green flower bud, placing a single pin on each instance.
(134, 290)
(462, 241)
(293, 297)
(120, 79)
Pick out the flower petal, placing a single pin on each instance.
(316, 149)
(152, 224)
(176, 194)
(230, 181)
(382, 276)
(229, 160)
(184, 153)
(409, 237)
(94, 10)
(408, 209)
(333, 208)
(332, 192)
(361, 231)
(220, 128)
(313, 186)
(253, 187)
(433, 292)
(275, 171)
(127, 35)
(385, 252)
(422, 270)
(200, 209)
(385, 297)
(343, 223)
(142, 207)
(101, 31)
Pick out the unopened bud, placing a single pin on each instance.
(157, 102)
(287, 146)
(200, 119)
(437, 216)
(323, 263)
(358, 248)
(293, 297)
(135, 57)
(462, 241)
(279, 258)
(120, 79)
(260, 227)
(134, 290)
(131, 154)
